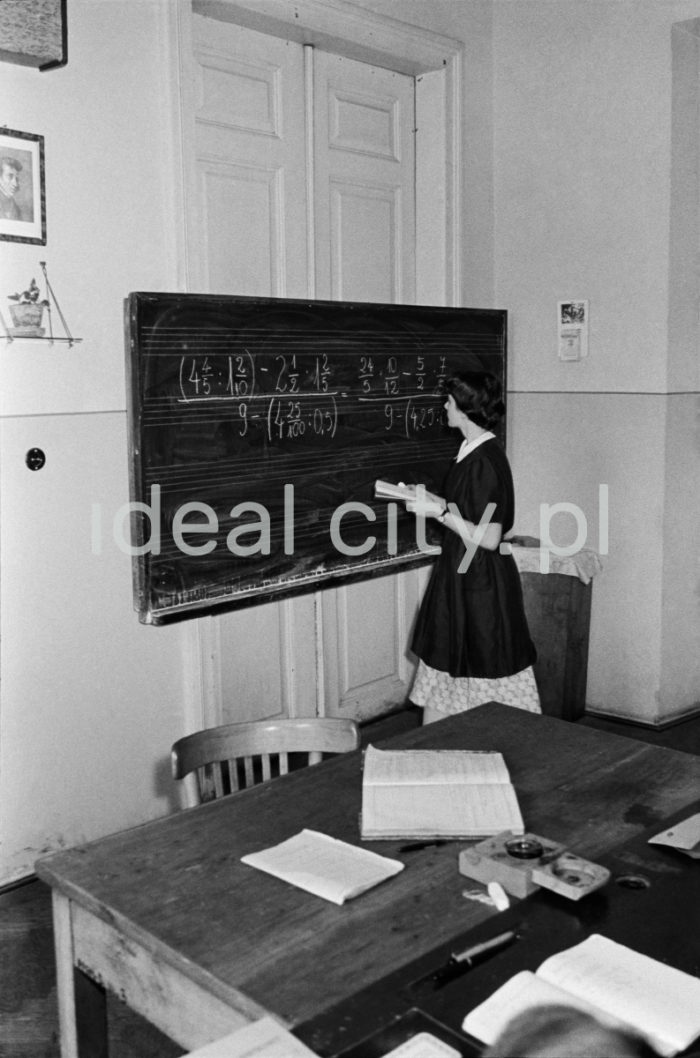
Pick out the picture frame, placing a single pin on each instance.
(22, 187)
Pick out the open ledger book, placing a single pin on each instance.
(434, 793)
(614, 983)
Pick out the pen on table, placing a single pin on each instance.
(415, 845)
(461, 962)
(477, 952)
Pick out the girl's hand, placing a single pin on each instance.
(432, 498)
(425, 503)
(428, 508)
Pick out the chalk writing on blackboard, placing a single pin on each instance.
(258, 427)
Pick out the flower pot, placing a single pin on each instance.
(27, 319)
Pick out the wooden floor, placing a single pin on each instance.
(28, 1014)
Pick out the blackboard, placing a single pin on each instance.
(258, 427)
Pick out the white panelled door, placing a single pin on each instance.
(259, 103)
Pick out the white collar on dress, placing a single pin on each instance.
(469, 446)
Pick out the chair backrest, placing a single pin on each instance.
(223, 760)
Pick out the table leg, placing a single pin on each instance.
(82, 1005)
(91, 1016)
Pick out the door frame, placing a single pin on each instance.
(434, 60)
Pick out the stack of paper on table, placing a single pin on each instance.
(261, 1039)
(324, 865)
(614, 983)
(684, 836)
(437, 793)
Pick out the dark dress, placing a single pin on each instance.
(473, 623)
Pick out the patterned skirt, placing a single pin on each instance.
(455, 694)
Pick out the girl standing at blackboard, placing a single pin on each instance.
(471, 636)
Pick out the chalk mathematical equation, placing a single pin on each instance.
(292, 395)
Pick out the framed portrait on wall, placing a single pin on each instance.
(22, 188)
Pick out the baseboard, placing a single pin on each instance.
(395, 722)
(395, 709)
(17, 883)
(693, 713)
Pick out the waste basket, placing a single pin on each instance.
(557, 595)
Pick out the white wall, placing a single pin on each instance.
(109, 183)
(91, 700)
(596, 125)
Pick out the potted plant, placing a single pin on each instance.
(28, 310)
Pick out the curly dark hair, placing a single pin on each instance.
(479, 395)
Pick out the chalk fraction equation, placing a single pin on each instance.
(290, 396)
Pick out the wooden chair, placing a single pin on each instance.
(223, 760)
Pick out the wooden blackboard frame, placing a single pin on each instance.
(257, 427)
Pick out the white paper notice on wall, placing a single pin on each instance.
(572, 329)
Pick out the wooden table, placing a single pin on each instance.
(168, 918)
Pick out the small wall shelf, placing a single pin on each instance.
(36, 333)
(9, 338)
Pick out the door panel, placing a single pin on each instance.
(365, 635)
(263, 650)
(249, 199)
(233, 93)
(363, 228)
(367, 124)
